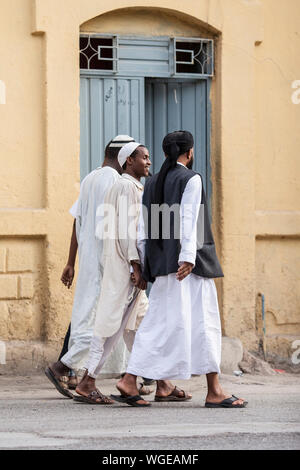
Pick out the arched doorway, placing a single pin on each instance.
(144, 86)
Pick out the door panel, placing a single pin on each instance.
(173, 105)
(111, 106)
(108, 107)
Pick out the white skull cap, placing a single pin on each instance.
(121, 140)
(126, 151)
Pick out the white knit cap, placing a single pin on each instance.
(126, 151)
(121, 140)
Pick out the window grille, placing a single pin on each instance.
(147, 57)
(98, 52)
(193, 56)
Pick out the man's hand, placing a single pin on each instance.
(68, 275)
(184, 270)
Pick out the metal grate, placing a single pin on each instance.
(193, 56)
(98, 52)
(147, 57)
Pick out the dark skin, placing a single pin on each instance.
(69, 271)
(215, 394)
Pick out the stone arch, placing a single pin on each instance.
(154, 21)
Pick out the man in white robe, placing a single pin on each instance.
(122, 303)
(93, 190)
(181, 332)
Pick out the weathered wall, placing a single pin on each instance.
(277, 167)
(254, 143)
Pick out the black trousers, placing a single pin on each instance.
(66, 342)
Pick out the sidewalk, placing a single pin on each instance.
(35, 416)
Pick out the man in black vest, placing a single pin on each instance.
(181, 332)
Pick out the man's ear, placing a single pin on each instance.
(189, 154)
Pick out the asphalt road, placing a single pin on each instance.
(35, 416)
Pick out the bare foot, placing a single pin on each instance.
(87, 386)
(165, 388)
(220, 395)
(59, 369)
(127, 386)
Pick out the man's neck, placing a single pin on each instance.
(111, 164)
(126, 172)
(182, 160)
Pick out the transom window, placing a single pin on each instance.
(192, 56)
(148, 57)
(98, 52)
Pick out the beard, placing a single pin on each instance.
(190, 164)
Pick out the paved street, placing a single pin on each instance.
(35, 416)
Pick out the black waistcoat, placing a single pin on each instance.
(161, 258)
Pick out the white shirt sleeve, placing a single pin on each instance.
(189, 210)
(74, 209)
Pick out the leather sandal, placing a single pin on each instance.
(175, 395)
(72, 382)
(60, 383)
(94, 398)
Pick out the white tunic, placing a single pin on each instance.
(118, 251)
(121, 305)
(93, 190)
(180, 334)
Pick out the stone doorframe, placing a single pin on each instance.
(238, 27)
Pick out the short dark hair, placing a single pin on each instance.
(134, 154)
(111, 153)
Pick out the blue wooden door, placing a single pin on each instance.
(147, 109)
(108, 106)
(174, 104)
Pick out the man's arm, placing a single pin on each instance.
(68, 272)
(128, 246)
(189, 210)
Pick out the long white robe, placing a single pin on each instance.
(180, 334)
(118, 251)
(121, 306)
(93, 190)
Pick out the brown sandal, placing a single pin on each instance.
(60, 383)
(174, 396)
(93, 398)
(72, 382)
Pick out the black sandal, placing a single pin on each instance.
(227, 403)
(129, 400)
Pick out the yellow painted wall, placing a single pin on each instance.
(254, 140)
(277, 188)
(22, 176)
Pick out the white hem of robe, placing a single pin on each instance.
(180, 335)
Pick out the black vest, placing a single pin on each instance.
(161, 258)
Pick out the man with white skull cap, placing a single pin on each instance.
(93, 190)
(122, 302)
